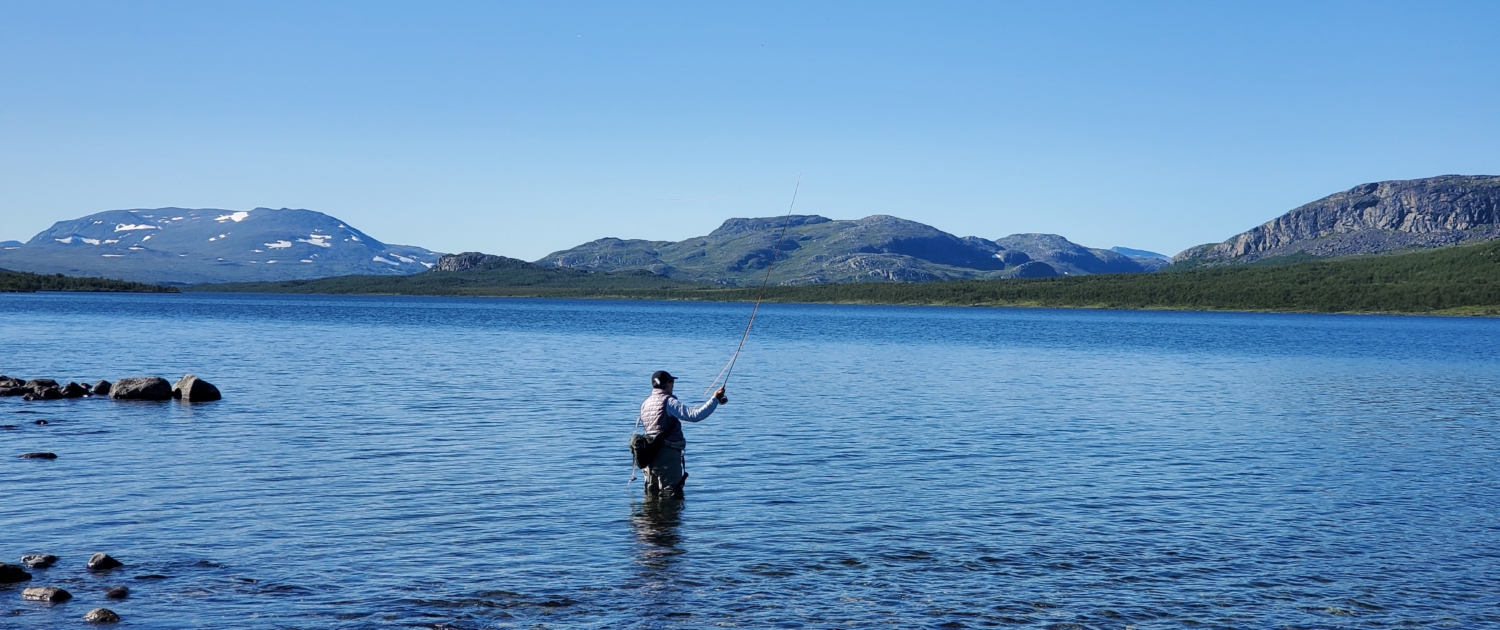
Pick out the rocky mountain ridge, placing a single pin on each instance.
(477, 261)
(1370, 218)
(189, 246)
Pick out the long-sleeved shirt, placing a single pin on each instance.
(657, 408)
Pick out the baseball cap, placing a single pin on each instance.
(660, 378)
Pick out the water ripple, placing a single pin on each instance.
(448, 463)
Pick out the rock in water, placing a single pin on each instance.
(10, 574)
(101, 388)
(142, 388)
(74, 390)
(6, 381)
(39, 455)
(40, 383)
(102, 615)
(43, 393)
(118, 592)
(102, 561)
(46, 594)
(194, 389)
(38, 560)
(14, 391)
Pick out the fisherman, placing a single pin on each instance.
(662, 416)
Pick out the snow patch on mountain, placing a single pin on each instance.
(187, 246)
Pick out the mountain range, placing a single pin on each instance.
(817, 250)
(187, 246)
(180, 246)
(1372, 218)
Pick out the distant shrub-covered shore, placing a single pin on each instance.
(1452, 280)
(22, 282)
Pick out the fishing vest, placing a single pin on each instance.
(656, 421)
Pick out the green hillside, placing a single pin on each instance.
(22, 282)
(1455, 280)
(523, 280)
(819, 250)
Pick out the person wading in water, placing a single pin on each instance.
(662, 416)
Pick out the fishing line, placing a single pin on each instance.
(729, 367)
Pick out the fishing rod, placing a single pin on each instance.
(775, 251)
(729, 367)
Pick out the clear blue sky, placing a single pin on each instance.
(522, 128)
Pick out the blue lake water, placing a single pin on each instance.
(458, 463)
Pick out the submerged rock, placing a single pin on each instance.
(101, 388)
(38, 560)
(194, 389)
(40, 383)
(118, 592)
(38, 455)
(46, 594)
(141, 388)
(10, 574)
(39, 422)
(102, 615)
(102, 561)
(74, 390)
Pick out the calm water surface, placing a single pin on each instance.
(398, 462)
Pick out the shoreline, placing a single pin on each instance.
(1461, 281)
(1457, 281)
(1482, 312)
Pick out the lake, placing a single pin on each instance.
(461, 463)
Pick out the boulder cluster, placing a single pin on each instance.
(97, 563)
(189, 388)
